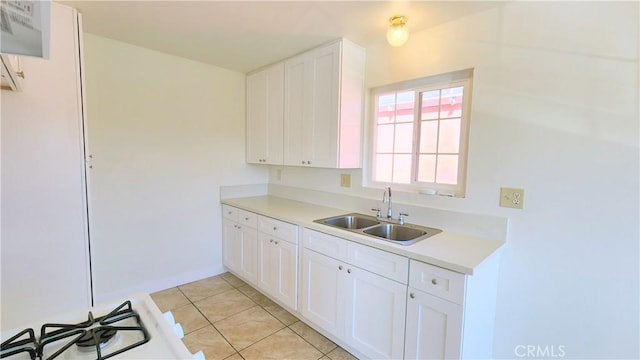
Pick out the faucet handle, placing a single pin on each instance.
(401, 218)
(378, 213)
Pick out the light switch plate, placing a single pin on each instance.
(512, 198)
(345, 180)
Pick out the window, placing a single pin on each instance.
(420, 133)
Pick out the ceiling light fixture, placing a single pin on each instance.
(398, 32)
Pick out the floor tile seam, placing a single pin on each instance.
(210, 296)
(200, 328)
(315, 347)
(257, 341)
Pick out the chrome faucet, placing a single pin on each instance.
(387, 197)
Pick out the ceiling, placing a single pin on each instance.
(246, 35)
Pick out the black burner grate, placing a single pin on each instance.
(91, 333)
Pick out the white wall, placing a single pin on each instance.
(555, 111)
(164, 133)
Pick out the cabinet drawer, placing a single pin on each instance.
(229, 212)
(392, 266)
(247, 218)
(280, 229)
(437, 281)
(325, 244)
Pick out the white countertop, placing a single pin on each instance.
(456, 252)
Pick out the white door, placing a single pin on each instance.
(321, 300)
(321, 125)
(375, 314)
(266, 267)
(286, 258)
(45, 245)
(248, 239)
(434, 327)
(294, 112)
(231, 246)
(265, 115)
(257, 117)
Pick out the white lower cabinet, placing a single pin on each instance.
(321, 300)
(375, 314)
(434, 327)
(277, 268)
(377, 304)
(364, 309)
(240, 243)
(262, 251)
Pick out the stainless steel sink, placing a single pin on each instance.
(395, 232)
(406, 234)
(350, 221)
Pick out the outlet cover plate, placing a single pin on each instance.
(345, 180)
(512, 198)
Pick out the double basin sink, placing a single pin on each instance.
(406, 234)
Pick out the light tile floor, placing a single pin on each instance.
(228, 319)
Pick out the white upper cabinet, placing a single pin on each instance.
(323, 101)
(265, 115)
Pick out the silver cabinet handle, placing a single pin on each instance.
(349, 271)
(271, 240)
(412, 295)
(339, 267)
(246, 219)
(434, 281)
(275, 228)
(276, 242)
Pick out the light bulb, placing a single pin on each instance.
(398, 32)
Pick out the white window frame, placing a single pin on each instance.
(458, 78)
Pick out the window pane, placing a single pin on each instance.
(386, 109)
(430, 103)
(451, 102)
(428, 136)
(404, 107)
(427, 168)
(447, 171)
(404, 138)
(402, 169)
(449, 141)
(383, 167)
(385, 139)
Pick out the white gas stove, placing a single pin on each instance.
(133, 328)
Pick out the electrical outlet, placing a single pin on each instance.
(512, 198)
(345, 180)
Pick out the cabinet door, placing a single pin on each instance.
(248, 239)
(375, 314)
(231, 245)
(240, 250)
(286, 259)
(265, 115)
(267, 276)
(321, 299)
(321, 125)
(434, 327)
(294, 113)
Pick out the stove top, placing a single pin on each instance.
(133, 328)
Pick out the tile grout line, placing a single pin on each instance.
(237, 288)
(285, 325)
